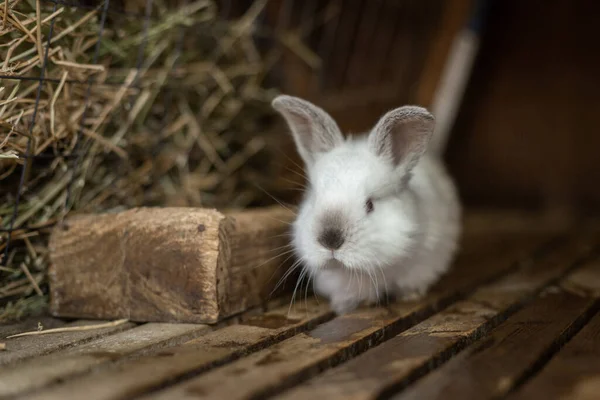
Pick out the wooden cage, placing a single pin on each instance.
(518, 317)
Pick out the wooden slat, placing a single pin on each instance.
(42, 371)
(30, 324)
(289, 362)
(491, 367)
(573, 373)
(358, 64)
(30, 346)
(454, 18)
(226, 344)
(411, 353)
(346, 35)
(585, 281)
(383, 42)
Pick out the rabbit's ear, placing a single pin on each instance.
(401, 136)
(314, 131)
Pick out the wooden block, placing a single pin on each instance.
(166, 264)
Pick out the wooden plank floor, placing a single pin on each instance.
(516, 318)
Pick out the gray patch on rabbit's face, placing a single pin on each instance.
(331, 231)
(332, 218)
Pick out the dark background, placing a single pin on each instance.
(527, 131)
(527, 134)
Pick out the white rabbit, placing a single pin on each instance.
(380, 215)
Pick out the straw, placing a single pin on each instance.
(163, 111)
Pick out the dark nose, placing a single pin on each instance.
(331, 238)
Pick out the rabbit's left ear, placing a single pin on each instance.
(401, 136)
(313, 130)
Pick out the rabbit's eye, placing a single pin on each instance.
(369, 206)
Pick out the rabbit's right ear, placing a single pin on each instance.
(314, 131)
(401, 136)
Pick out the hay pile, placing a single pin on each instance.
(180, 130)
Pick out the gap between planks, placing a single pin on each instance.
(113, 347)
(573, 374)
(573, 371)
(27, 347)
(331, 342)
(400, 361)
(493, 366)
(38, 372)
(292, 362)
(257, 332)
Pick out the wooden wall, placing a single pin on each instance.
(374, 55)
(528, 133)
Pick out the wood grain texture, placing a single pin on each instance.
(135, 377)
(42, 371)
(376, 55)
(492, 366)
(166, 264)
(290, 362)
(30, 324)
(25, 347)
(518, 304)
(253, 333)
(455, 16)
(396, 362)
(574, 372)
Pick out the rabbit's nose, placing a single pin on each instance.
(332, 239)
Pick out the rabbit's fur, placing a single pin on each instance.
(380, 214)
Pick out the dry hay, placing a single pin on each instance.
(180, 130)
